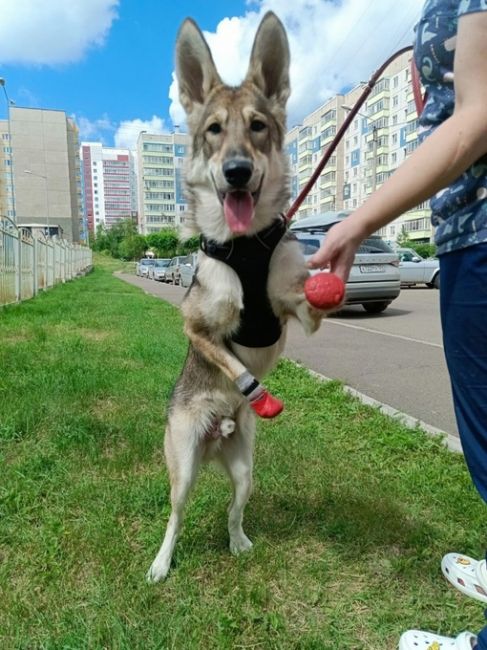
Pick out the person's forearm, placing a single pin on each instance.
(438, 161)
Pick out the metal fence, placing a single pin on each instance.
(30, 263)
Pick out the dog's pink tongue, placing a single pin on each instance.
(238, 208)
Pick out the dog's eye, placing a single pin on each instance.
(257, 126)
(214, 128)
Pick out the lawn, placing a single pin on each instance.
(350, 515)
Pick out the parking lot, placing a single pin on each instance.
(395, 357)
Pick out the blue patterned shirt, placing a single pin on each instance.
(459, 212)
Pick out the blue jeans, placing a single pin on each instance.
(463, 302)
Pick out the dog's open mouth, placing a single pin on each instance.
(239, 208)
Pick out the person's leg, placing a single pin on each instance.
(463, 301)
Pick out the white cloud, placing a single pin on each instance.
(123, 135)
(128, 131)
(54, 31)
(100, 130)
(333, 45)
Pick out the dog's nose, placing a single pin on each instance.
(237, 171)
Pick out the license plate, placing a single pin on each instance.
(372, 268)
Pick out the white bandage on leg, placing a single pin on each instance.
(249, 386)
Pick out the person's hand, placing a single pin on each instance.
(338, 250)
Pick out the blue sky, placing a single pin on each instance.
(109, 63)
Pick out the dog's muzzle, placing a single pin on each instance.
(238, 172)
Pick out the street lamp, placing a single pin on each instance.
(31, 173)
(9, 104)
(349, 108)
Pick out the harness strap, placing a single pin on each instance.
(250, 258)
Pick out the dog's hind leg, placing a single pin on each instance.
(183, 457)
(236, 457)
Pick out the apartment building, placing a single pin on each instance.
(160, 161)
(306, 145)
(46, 171)
(109, 185)
(379, 138)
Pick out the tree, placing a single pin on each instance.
(403, 240)
(190, 245)
(423, 249)
(111, 239)
(132, 247)
(164, 243)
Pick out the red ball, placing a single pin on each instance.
(324, 290)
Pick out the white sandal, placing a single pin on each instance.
(466, 574)
(417, 640)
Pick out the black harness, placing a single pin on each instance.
(250, 257)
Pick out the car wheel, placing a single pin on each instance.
(436, 281)
(376, 307)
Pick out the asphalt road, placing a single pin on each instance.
(395, 357)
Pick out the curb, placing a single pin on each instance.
(450, 441)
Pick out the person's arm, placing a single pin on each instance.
(438, 161)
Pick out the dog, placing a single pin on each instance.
(250, 272)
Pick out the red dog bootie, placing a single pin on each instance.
(324, 290)
(266, 405)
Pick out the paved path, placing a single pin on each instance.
(395, 357)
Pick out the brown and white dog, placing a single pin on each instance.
(250, 272)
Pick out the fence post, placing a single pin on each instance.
(34, 262)
(18, 267)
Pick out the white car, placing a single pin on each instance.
(187, 268)
(158, 270)
(416, 270)
(143, 265)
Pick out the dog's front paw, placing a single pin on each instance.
(240, 544)
(309, 317)
(158, 571)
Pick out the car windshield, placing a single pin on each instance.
(161, 263)
(309, 244)
(374, 245)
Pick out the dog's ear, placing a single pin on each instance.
(269, 61)
(195, 69)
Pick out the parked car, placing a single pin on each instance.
(374, 280)
(187, 268)
(157, 271)
(172, 273)
(143, 265)
(414, 269)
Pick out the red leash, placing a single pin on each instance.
(341, 131)
(419, 98)
(326, 291)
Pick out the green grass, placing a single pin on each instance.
(350, 515)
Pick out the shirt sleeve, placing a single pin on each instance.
(471, 7)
